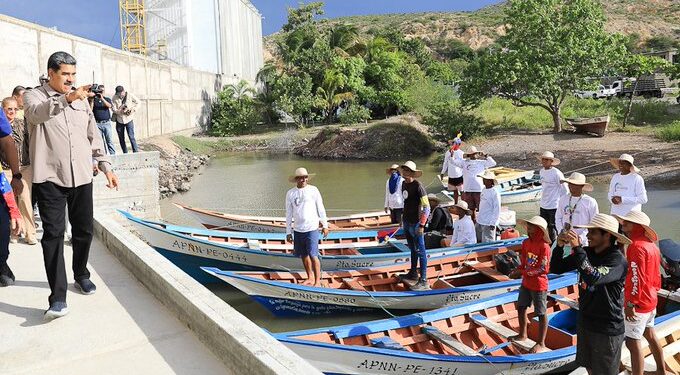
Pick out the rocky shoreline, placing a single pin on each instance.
(177, 167)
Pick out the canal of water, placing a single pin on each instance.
(249, 183)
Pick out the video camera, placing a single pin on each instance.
(97, 88)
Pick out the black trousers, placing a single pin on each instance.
(53, 201)
(549, 216)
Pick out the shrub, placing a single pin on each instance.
(234, 111)
(448, 118)
(389, 140)
(670, 132)
(354, 114)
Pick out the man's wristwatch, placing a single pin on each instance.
(630, 305)
(18, 176)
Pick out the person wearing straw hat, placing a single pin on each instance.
(439, 219)
(449, 168)
(394, 201)
(643, 282)
(533, 269)
(553, 189)
(414, 218)
(576, 208)
(627, 188)
(463, 229)
(304, 212)
(473, 165)
(602, 270)
(489, 209)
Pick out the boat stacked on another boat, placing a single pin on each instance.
(264, 224)
(465, 276)
(190, 248)
(515, 185)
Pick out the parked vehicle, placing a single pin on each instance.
(655, 85)
(601, 92)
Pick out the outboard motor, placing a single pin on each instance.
(670, 259)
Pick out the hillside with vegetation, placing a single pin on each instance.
(649, 24)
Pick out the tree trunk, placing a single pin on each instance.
(630, 102)
(557, 122)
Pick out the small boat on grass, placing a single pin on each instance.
(468, 275)
(467, 339)
(593, 125)
(263, 224)
(190, 248)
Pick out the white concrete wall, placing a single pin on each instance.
(174, 98)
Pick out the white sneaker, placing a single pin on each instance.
(56, 310)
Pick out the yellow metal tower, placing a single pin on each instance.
(132, 26)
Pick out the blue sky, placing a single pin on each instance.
(98, 19)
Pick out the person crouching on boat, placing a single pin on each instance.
(553, 190)
(602, 270)
(453, 172)
(533, 269)
(643, 282)
(394, 201)
(463, 229)
(489, 209)
(304, 211)
(416, 212)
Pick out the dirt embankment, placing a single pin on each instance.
(400, 137)
(177, 165)
(659, 161)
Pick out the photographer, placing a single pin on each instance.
(63, 142)
(124, 106)
(101, 107)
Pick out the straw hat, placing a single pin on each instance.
(410, 168)
(578, 179)
(624, 157)
(433, 197)
(539, 222)
(471, 151)
(488, 175)
(639, 217)
(607, 223)
(551, 156)
(391, 168)
(462, 205)
(300, 172)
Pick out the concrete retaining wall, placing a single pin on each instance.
(174, 98)
(239, 343)
(138, 191)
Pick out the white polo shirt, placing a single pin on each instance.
(464, 232)
(553, 188)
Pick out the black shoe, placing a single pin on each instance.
(408, 278)
(56, 310)
(420, 285)
(6, 276)
(85, 286)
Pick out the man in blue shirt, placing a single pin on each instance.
(101, 107)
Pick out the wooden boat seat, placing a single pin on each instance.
(487, 269)
(400, 246)
(459, 275)
(564, 300)
(353, 284)
(386, 343)
(501, 330)
(449, 341)
(441, 284)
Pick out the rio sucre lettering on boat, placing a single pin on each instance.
(406, 368)
(462, 297)
(208, 252)
(352, 264)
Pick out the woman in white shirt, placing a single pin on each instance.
(453, 172)
(489, 209)
(627, 189)
(394, 200)
(463, 229)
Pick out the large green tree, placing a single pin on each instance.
(552, 47)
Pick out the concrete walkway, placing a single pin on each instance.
(122, 329)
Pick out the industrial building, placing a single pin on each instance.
(218, 36)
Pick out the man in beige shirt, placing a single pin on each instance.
(124, 107)
(64, 140)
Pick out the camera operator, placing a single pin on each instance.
(124, 106)
(101, 107)
(63, 141)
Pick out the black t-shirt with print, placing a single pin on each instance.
(412, 192)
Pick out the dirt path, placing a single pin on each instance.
(659, 161)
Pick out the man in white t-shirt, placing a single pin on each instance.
(489, 209)
(454, 173)
(553, 189)
(305, 210)
(576, 208)
(473, 166)
(463, 229)
(627, 189)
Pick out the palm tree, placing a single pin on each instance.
(343, 36)
(333, 81)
